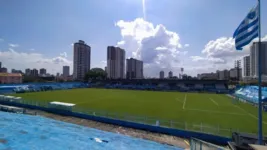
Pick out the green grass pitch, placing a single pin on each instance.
(214, 112)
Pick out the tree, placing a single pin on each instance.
(95, 73)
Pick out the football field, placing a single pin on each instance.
(213, 113)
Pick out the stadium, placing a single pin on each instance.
(205, 107)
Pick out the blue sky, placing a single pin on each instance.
(44, 30)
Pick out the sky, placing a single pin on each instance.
(167, 35)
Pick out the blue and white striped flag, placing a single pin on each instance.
(248, 29)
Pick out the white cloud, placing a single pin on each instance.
(64, 54)
(158, 47)
(22, 60)
(186, 45)
(197, 58)
(32, 49)
(1, 40)
(217, 55)
(13, 45)
(223, 48)
(220, 54)
(103, 64)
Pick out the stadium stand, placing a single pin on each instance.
(199, 86)
(140, 84)
(215, 86)
(220, 86)
(34, 87)
(250, 93)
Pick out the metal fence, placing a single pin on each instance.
(197, 127)
(196, 144)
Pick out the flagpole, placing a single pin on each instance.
(259, 78)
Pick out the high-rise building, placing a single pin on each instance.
(66, 71)
(106, 68)
(254, 53)
(246, 66)
(16, 71)
(207, 76)
(0, 65)
(81, 60)
(115, 62)
(235, 73)
(161, 74)
(170, 74)
(42, 71)
(34, 72)
(134, 69)
(3, 70)
(28, 71)
(224, 75)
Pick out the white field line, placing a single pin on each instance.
(214, 102)
(225, 102)
(251, 115)
(218, 112)
(177, 99)
(184, 101)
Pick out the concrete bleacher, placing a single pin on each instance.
(33, 87)
(199, 86)
(169, 87)
(220, 86)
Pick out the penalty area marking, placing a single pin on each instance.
(178, 100)
(184, 101)
(251, 115)
(218, 112)
(214, 102)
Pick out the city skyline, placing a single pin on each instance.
(187, 40)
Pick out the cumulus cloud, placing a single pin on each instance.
(64, 54)
(221, 53)
(221, 48)
(158, 47)
(209, 59)
(224, 48)
(186, 45)
(13, 45)
(21, 60)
